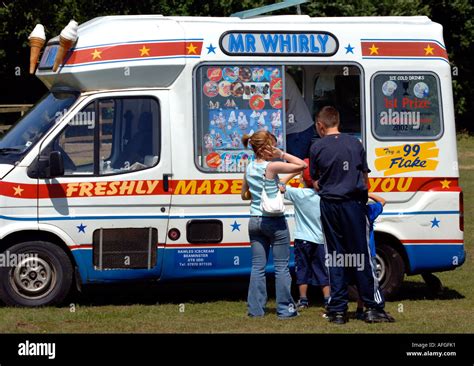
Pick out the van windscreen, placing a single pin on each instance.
(29, 129)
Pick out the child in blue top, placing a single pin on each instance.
(310, 252)
(374, 209)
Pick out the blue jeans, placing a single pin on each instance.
(266, 232)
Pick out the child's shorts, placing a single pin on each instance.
(310, 261)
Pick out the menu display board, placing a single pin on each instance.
(234, 101)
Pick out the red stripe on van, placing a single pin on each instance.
(197, 187)
(135, 51)
(378, 48)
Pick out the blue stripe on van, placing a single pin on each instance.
(420, 213)
(141, 217)
(437, 257)
(222, 263)
(422, 258)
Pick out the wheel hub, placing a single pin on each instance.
(33, 277)
(380, 268)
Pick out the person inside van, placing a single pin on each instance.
(141, 143)
(268, 230)
(300, 130)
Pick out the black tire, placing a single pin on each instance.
(435, 287)
(392, 279)
(390, 272)
(48, 283)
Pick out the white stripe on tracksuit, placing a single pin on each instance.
(325, 258)
(377, 295)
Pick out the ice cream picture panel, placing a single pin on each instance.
(237, 100)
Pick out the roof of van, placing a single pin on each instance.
(106, 45)
(142, 20)
(421, 19)
(306, 18)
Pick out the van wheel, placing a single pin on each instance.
(389, 271)
(39, 274)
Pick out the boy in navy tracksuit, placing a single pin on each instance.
(339, 168)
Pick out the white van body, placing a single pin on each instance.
(176, 212)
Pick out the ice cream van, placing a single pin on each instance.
(130, 167)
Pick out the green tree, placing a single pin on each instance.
(17, 19)
(457, 20)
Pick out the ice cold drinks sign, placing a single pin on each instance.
(406, 105)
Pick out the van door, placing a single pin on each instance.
(112, 199)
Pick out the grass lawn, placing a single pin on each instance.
(221, 307)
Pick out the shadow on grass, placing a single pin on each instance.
(420, 291)
(214, 290)
(196, 291)
(233, 289)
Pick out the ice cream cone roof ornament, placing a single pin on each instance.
(67, 38)
(37, 39)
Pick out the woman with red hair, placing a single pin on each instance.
(268, 230)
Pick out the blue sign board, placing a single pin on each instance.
(239, 43)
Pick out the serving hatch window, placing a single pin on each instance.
(231, 101)
(339, 86)
(406, 106)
